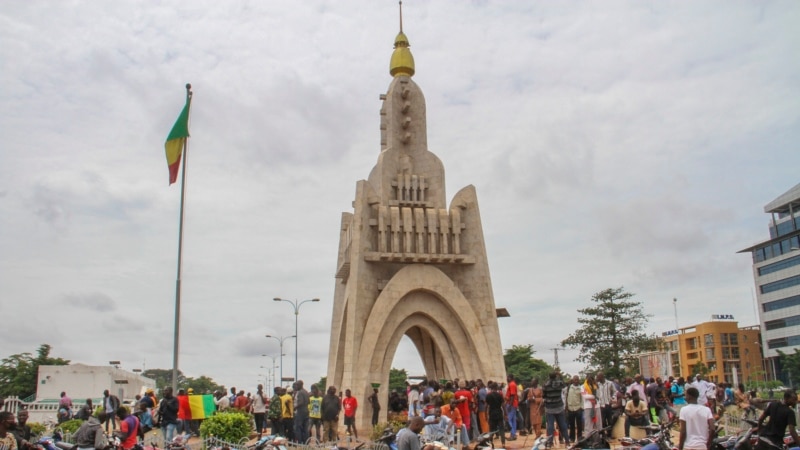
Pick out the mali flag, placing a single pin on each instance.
(176, 139)
(192, 407)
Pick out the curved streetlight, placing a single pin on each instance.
(272, 371)
(296, 307)
(281, 339)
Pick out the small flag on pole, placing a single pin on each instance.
(177, 139)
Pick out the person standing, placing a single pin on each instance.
(331, 407)
(222, 401)
(275, 412)
(287, 413)
(512, 403)
(350, 405)
(413, 402)
(168, 410)
(110, 405)
(781, 416)
(592, 417)
(554, 407)
(300, 413)
(260, 402)
(465, 400)
(535, 407)
(606, 393)
(376, 406)
(483, 418)
(678, 390)
(315, 411)
(574, 409)
(697, 424)
(495, 410)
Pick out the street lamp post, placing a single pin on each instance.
(296, 307)
(281, 339)
(272, 371)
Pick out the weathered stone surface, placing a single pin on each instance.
(409, 265)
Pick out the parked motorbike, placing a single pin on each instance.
(387, 440)
(485, 441)
(594, 440)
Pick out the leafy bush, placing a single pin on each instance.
(70, 426)
(377, 430)
(37, 429)
(230, 426)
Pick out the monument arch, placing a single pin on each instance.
(409, 264)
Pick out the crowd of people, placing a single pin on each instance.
(569, 408)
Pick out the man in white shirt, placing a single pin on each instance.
(697, 424)
(413, 402)
(702, 387)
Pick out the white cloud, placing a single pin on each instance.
(614, 144)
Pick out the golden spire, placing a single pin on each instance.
(402, 62)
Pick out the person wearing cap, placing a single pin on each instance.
(193, 425)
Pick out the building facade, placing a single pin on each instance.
(722, 346)
(776, 271)
(80, 382)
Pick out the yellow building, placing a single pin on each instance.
(721, 346)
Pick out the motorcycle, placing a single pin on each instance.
(485, 441)
(387, 440)
(594, 440)
(660, 440)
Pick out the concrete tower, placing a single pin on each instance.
(408, 264)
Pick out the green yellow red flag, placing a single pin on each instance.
(176, 139)
(193, 407)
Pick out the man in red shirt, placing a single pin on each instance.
(512, 402)
(465, 401)
(350, 404)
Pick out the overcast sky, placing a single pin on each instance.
(612, 144)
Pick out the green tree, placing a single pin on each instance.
(612, 332)
(163, 377)
(520, 362)
(322, 384)
(700, 368)
(19, 373)
(397, 379)
(202, 385)
(791, 366)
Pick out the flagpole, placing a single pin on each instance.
(176, 346)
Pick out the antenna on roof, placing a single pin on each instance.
(401, 15)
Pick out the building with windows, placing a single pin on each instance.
(776, 271)
(721, 345)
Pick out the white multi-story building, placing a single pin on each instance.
(776, 270)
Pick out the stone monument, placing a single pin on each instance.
(408, 264)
